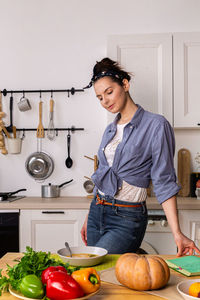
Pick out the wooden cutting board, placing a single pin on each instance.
(169, 292)
(184, 171)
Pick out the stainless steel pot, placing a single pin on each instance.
(52, 191)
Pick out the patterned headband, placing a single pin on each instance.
(103, 74)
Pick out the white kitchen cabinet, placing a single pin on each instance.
(190, 224)
(166, 73)
(149, 58)
(186, 48)
(47, 230)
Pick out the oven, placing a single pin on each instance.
(158, 238)
(9, 231)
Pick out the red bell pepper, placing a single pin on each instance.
(61, 286)
(47, 272)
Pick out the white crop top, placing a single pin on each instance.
(128, 192)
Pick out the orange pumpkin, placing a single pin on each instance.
(141, 272)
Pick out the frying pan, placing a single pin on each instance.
(39, 165)
(5, 196)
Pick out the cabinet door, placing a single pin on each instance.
(189, 222)
(47, 230)
(186, 79)
(149, 59)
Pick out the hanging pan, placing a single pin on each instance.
(39, 165)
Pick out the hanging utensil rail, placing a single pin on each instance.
(72, 91)
(56, 129)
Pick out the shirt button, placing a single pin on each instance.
(119, 188)
(131, 126)
(103, 149)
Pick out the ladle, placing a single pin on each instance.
(68, 161)
(68, 248)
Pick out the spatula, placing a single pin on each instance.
(40, 129)
(5, 131)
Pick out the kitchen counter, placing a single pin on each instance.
(77, 202)
(108, 291)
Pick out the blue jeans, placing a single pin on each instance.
(117, 229)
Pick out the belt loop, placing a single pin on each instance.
(113, 202)
(143, 207)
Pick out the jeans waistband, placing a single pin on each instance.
(108, 200)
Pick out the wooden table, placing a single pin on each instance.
(108, 291)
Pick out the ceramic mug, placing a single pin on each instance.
(197, 192)
(14, 145)
(24, 104)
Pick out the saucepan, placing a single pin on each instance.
(52, 191)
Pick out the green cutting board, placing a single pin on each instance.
(108, 262)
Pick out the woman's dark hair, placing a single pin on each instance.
(112, 69)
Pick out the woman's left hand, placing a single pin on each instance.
(185, 245)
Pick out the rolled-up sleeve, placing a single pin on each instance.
(162, 172)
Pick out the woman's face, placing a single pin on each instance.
(112, 96)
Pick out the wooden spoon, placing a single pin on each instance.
(2, 114)
(14, 132)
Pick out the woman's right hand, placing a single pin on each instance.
(84, 231)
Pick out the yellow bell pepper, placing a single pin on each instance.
(88, 279)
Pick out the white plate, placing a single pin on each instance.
(183, 288)
(83, 261)
(20, 296)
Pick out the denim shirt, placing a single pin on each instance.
(145, 153)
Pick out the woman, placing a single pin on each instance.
(136, 148)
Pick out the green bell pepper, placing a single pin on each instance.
(31, 287)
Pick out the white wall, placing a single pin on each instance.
(53, 44)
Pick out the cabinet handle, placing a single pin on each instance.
(53, 212)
